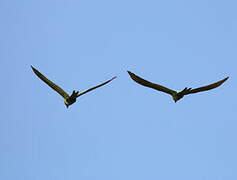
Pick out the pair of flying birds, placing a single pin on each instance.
(176, 95)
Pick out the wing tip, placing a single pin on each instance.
(130, 73)
(225, 79)
(113, 78)
(34, 70)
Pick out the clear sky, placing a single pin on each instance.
(122, 131)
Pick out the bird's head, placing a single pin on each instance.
(177, 97)
(66, 105)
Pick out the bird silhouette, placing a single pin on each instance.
(68, 100)
(176, 95)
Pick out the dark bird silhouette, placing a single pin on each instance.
(175, 94)
(68, 100)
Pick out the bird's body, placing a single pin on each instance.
(175, 95)
(71, 99)
(68, 99)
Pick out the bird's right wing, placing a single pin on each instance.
(90, 89)
(206, 88)
(146, 83)
(50, 83)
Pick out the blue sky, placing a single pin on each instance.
(121, 131)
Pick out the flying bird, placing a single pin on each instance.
(68, 100)
(176, 95)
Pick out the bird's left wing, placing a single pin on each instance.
(90, 89)
(50, 83)
(149, 84)
(206, 88)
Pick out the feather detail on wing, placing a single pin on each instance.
(146, 83)
(90, 89)
(50, 83)
(206, 88)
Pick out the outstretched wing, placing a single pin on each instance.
(146, 83)
(206, 88)
(50, 83)
(88, 90)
